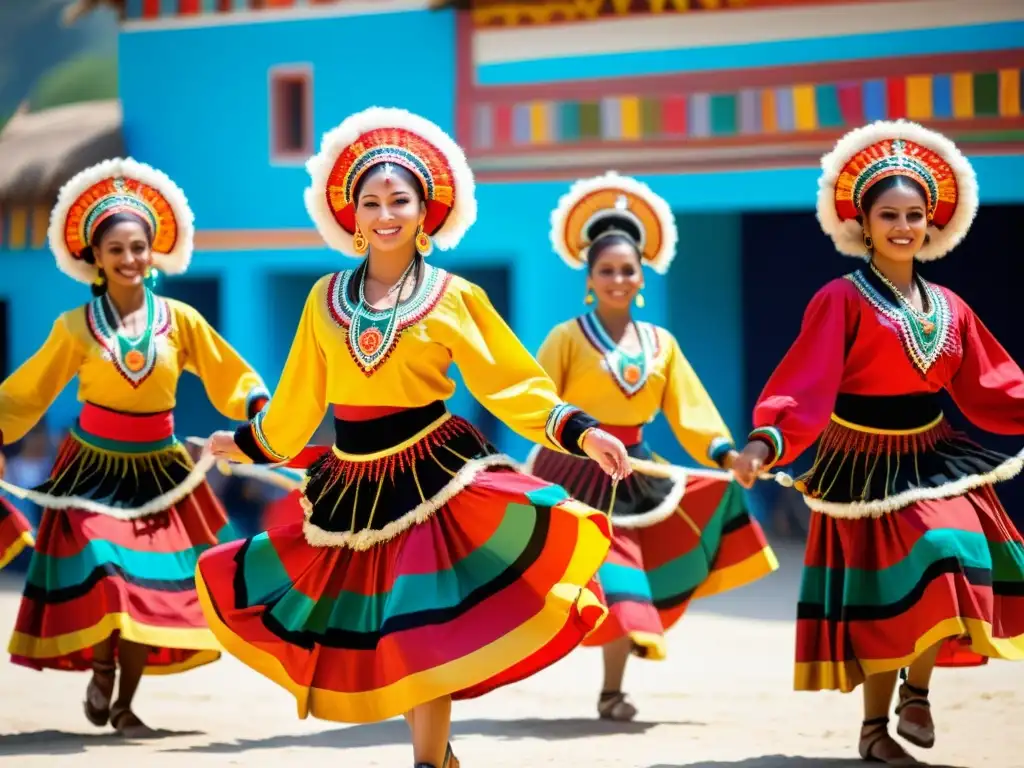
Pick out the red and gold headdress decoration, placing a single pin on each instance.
(873, 152)
(121, 185)
(614, 204)
(386, 135)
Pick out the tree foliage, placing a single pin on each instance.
(85, 78)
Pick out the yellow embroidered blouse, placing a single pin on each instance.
(447, 319)
(619, 389)
(132, 378)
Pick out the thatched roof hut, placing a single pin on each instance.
(40, 151)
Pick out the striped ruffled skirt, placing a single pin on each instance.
(427, 566)
(908, 547)
(119, 567)
(675, 538)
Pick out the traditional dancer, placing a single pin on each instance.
(428, 568)
(667, 547)
(908, 545)
(126, 514)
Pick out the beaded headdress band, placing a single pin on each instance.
(121, 185)
(398, 138)
(627, 207)
(874, 152)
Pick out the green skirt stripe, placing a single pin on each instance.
(685, 573)
(893, 584)
(267, 583)
(57, 573)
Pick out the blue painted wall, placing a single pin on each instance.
(207, 125)
(205, 120)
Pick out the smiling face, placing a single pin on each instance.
(898, 222)
(124, 253)
(616, 277)
(389, 209)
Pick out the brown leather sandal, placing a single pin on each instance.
(919, 735)
(877, 733)
(97, 693)
(613, 705)
(127, 723)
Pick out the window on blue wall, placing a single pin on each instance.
(291, 113)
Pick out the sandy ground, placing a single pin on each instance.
(723, 698)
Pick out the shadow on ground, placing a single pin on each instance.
(782, 761)
(52, 742)
(394, 732)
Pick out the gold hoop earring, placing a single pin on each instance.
(640, 302)
(869, 244)
(359, 242)
(424, 245)
(589, 298)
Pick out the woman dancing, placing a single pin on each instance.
(677, 534)
(126, 514)
(908, 547)
(427, 568)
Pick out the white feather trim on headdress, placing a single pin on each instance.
(657, 208)
(848, 235)
(463, 212)
(174, 262)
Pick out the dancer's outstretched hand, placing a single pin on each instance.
(747, 466)
(608, 451)
(221, 445)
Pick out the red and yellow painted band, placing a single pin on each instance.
(877, 431)
(391, 450)
(15, 548)
(197, 639)
(845, 676)
(402, 695)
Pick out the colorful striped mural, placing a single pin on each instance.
(756, 112)
(530, 13)
(150, 10)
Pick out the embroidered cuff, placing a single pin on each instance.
(566, 425)
(253, 443)
(719, 449)
(771, 437)
(255, 400)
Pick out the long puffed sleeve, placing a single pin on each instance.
(279, 431)
(798, 399)
(509, 382)
(28, 392)
(989, 386)
(691, 413)
(234, 388)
